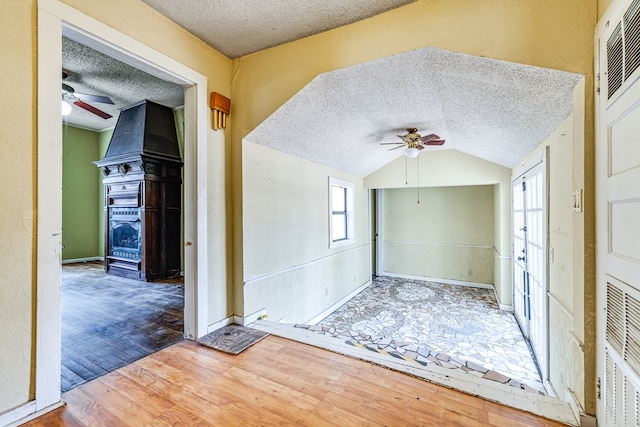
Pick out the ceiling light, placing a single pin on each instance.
(411, 152)
(66, 108)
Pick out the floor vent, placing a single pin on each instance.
(623, 49)
(622, 364)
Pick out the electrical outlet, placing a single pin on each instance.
(326, 292)
(470, 272)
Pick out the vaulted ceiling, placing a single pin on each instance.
(491, 109)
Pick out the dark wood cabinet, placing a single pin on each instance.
(143, 192)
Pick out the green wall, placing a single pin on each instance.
(448, 235)
(80, 198)
(103, 143)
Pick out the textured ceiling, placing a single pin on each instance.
(237, 28)
(94, 73)
(495, 110)
(491, 109)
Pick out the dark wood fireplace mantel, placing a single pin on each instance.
(143, 191)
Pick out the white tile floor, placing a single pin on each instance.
(453, 326)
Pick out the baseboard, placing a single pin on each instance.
(224, 322)
(505, 307)
(77, 260)
(24, 413)
(445, 281)
(576, 408)
(250, 318)
(337, 305)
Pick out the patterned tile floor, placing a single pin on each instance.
(456, 327)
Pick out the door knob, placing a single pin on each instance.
(520, 258)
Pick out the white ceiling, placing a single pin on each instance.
(491, 109)
(237, 28)
(496, 110)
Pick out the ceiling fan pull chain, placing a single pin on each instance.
(418, 159)
(406, 174)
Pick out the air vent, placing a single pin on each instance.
(623, 49)
(615, 72)
(631, 404)
(615, 317)
(631, 39)
(622, 357)
(632, 333)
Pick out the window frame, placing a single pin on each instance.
(348, 212)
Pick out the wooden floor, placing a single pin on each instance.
(274, 382)
(109, 321)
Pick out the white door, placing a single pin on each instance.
(529, 193)
(618, 216)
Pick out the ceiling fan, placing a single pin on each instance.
(78, 99)
(414, 143)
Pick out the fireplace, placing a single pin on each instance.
(142, 179)
(125, 236)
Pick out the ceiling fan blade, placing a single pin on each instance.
(420, 147)
(432, 139)
(434, 142)
(94, 98)
(391, 143)
(92, 109)
(395, 148)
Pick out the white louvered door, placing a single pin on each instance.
(618, 215)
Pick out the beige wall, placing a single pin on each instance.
(570, 286)
(545, 33)
(18, 28)
(449, 168)
(17, 214)
(548, 33)
(289, 268)
(448, 235)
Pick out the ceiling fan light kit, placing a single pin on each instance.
(414, 143)
(70, 96)
(411, 152)
(66, 108)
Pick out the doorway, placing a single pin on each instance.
(529, 196)
(56, 19)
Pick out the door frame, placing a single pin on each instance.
(54, 20)
(540, 158)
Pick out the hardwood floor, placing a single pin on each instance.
(274, 382)
(109, 321)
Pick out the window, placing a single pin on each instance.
(341, 218)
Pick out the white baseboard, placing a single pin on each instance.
(505, 307)
(250, 318)
(76, 260)
(24, 413)
(217, 325)
(445, 281)
(576, 407)
(337, 305)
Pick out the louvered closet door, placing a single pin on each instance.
(618, 216)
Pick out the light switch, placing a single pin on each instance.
(577, 201)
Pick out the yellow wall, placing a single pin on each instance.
(548, 33)
(18, 28)
(545, 33)
(17, 211)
